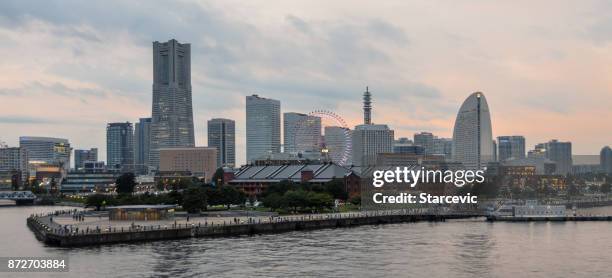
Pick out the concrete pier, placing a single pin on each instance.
(52, 233)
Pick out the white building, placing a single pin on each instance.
(14, 159)
(263, 128)
(301, 133)
(472, 135)
(369, 140)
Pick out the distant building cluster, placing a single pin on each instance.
(310, 150)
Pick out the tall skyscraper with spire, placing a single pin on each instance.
(172, 113)
(368, 140)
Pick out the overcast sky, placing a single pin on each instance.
(69, 67)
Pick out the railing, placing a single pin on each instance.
(45, 221)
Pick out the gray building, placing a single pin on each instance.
(510, 147)
(301, 133)
(14, 159)
(142, 139)
(443, 146)
(172, 114)
(47, 150)
(120, 146)
(222, 135)
(80, 156)
(425, 140)
(472, 134)
(263, 127)
(560, 153)
(605, 158)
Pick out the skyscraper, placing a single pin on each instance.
(302, 133)
(263, 127)
(511, 147)
(472, 134)
(368, 140)
(80, 156)
(560, 153)
(337, 144)
(222, 135)
(142, 139)
(47, 150)
(605, 158)
(172, 115)
(120, 146)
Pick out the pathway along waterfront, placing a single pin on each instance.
(52, 233)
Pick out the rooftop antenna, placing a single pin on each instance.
(367, 107)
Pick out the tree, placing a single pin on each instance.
(336, 189)
(194, 199)
(273, 201)
(126, 183)
(99, 200)
(295, 199)
(605, 188)
(319, 201)
(217, 178)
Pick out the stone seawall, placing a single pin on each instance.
(43, 228)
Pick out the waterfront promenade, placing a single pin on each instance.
(59, 228)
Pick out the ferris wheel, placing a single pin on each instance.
(336, 145)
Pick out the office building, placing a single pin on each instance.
(120, 146)
(263, 127)
(201, 162)
(47, 150)
(80, 156)
(369, 141)
(222, 135)
(142, 139)
(472, 134)
(510, 147)
(172, 114)
(302, 133)
(560, 153)
(14, 160)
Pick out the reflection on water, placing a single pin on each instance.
(466, 248)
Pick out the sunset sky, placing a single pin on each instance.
(545, 66)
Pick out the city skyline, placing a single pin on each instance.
(106, 71)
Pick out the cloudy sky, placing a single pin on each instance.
(69, 67)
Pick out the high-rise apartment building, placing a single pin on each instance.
(510, 147)
(142, 139)
(263, 127)
(172, 114)
(222, 136)
(472, 134)
(301, 133)
(120, 146)
(80, 156)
